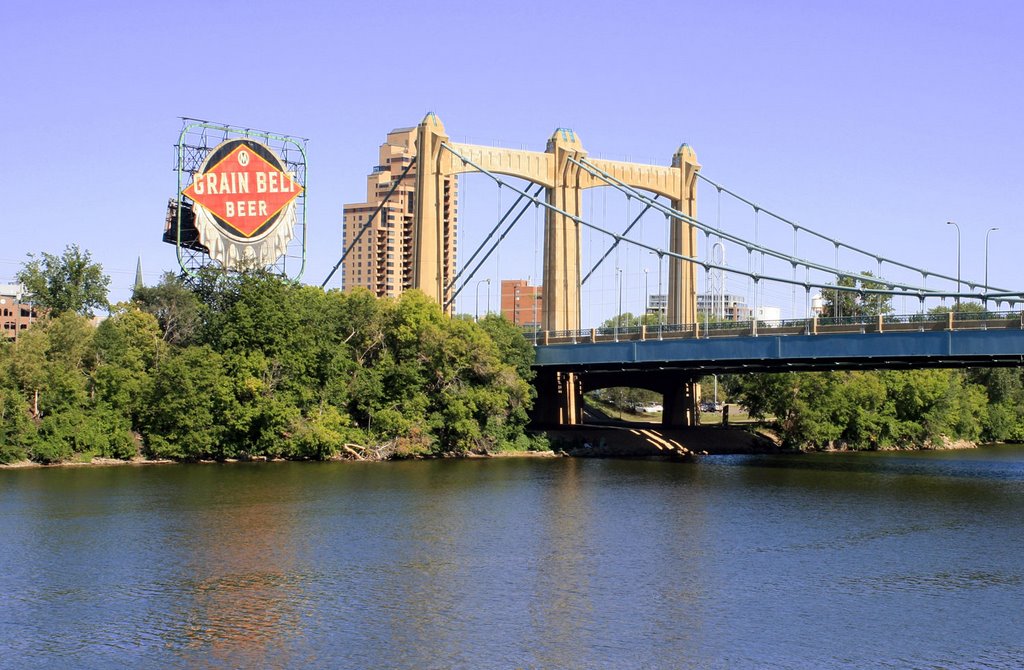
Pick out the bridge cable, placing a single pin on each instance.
(818, 235)
(494, 230)
(497, 242)
(614, 244)
(366, 225)
(908, 289)
(676, 214)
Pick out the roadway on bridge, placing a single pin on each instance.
(778, 353)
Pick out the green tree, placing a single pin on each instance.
(865, 410)
(70, 282)
(178, 310)
(127, 346)
(853, 301)
(17, 430)
(513, 347)
(185, 412)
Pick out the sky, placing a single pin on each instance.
(873, 122)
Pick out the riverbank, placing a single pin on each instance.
(112, 462)
(641, 441)
(657, 442)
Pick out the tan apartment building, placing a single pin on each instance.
(381, 259)
(521, 303)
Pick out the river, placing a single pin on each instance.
(885, 560)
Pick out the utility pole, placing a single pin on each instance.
(951, 223)
(986, 265)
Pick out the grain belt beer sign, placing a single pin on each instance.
(244, 204)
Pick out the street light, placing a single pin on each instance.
(986, 265)
(477, 311)
(952, 223)
(618, 317)
(515, 306)
(662, 304)
(647, 295)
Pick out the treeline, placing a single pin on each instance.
(252, 366)
(886, 409)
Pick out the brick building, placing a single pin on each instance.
(16, 314)
(521, 303)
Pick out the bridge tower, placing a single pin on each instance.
(682, 278)
(558, 169)
(562, 235)
(431, 205)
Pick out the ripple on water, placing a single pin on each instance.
(499, 564)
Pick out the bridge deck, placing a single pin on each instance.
(989, 342)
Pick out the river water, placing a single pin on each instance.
(901, 560)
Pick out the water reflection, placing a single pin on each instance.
(241, 594)
(882, 561)
(561, 603)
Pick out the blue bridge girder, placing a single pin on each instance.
(791, 352)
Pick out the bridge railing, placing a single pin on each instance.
(881, 323)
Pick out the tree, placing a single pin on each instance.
(513, 348)
(959, 308)
(854, 301)
(178, 310)
(70, 282)
(866, 410)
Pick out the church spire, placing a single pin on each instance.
(138, 275)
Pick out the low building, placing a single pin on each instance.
(521, 303)
(16, 313)
(657, 303)
(770, 316)
(725, 306)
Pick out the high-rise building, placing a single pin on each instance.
(521, 303)
(381, 258)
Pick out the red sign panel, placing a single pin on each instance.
(244, 186)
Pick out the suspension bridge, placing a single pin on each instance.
(671, 351)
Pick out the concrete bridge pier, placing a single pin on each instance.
(560, 394)
(680, 404)
(559, 399)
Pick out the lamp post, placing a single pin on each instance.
(952, 223)
(660, 305)
(477, 311)
(986, 265)
(647, 295)
(515, 306)
(618, 317)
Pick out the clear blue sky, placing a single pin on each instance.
(873, 121)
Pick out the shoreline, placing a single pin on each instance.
(101, 462)
(629, 441)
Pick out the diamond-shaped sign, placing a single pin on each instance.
(243, 189)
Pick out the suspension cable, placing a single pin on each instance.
(614, 244)
(906, 289)
(497, 242)
(674, 213)
(366, 226)
(821, 236)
